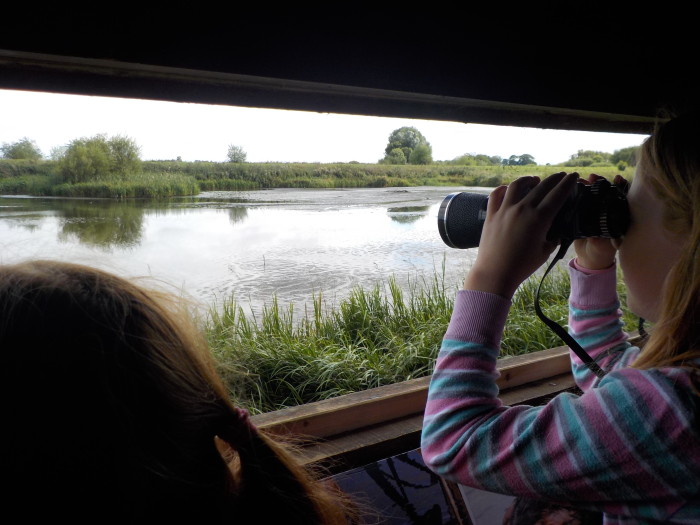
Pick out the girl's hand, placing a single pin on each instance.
(514, 238)
(596, 253)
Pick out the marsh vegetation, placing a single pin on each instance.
(377, 336)
(164, 179)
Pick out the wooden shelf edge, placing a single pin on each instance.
(358, 410)
(394, 436)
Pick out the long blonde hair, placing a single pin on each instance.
(670, 159)
(112, 410)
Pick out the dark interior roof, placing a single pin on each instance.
(549, 66)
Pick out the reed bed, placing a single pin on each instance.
(377, 336)
(144, 185)
(27, 184)
(162, 179)
(151, 186)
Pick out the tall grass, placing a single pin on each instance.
(375, 337)
(151, 186)
(38, 185)
(160, 179)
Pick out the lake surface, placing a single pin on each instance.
(288, 243)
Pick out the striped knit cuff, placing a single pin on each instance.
(478, 317)
(592, 290)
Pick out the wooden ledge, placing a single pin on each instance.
(362, 427)
(366, 445)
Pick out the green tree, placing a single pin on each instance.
(464, 160)
(236, 154)
(406, 139)
(421, 154)
(589, 158)
(485, 160)
(469, 159)
(57, 152)
(98, 157)
(519, 160)
(627, 155)
(527, 159)
(24, 149)
(395, 156)
(125, 155)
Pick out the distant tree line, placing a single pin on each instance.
(99, 157)
(407, 145)
(621, 158)
(484, 160)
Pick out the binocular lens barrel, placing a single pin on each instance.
(461, 218)
(592, 210)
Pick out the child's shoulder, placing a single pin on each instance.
(661, 378)
(674, 388)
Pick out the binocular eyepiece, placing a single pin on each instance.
(592, 210)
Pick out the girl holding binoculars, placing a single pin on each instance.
(629, 445)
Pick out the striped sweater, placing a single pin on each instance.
(628, 446)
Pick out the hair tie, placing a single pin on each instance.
(237, 428)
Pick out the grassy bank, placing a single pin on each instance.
(162, 179)
(375, 337)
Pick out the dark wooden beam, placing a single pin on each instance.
(90, 76)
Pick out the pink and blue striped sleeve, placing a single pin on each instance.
(595, 322)
(610, 447)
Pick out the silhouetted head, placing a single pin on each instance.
(111, 404)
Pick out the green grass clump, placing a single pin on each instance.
(152, 186)
(38, 185)
(374, 337)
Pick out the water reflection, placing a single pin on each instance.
(105, 225)
(407, 214)
(291, 244)
(237, 214)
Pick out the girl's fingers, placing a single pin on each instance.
(496, 200)
(554, 199)
(544, 188)
(622, 182)
(548, 194)
(519, 188)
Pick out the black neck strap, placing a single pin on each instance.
(563, 334)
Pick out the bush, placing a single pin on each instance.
(395, 156)
(24, 149)
(96, 158)
(421, 154)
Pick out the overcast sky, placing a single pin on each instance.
(167, 130)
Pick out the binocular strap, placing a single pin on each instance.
(561, 332)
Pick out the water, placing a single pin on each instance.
(288, 243)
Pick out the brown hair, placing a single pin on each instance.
(111, 401)
(670, 163)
